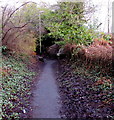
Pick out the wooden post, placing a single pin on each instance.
(40, 32)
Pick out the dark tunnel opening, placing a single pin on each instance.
(47, 41)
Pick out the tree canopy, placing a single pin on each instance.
(67, 23)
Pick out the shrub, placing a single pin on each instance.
(99, 52)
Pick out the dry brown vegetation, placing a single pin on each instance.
(98, 53)
(17, 34)
(20, 41)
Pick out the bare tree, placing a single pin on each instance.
(8, 25)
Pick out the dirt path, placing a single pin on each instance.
(45, 95)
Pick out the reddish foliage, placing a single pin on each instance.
(100, 42)
(99, 52)
(70, 47)
(102, 81)
(33, 53)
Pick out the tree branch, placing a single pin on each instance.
(14, 12)
(13, 28)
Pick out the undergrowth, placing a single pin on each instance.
(102, 80)
(16, 84)
(86, 93)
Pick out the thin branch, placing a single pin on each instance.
(13, 28)
(4, 9)
(14, 12)
(20, 32)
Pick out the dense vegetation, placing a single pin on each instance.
(18, 46)
(64, 24)
(67, 24)
(16, 86)
(85, 93)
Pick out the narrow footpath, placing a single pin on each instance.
(46, 98)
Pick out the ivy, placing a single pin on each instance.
(16, 83)
(67, 23)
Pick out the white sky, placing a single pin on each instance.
(101, 13)
(13, 2)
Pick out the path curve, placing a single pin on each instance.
(46, 97)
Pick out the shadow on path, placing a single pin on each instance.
(45, 95)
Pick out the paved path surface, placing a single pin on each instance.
(46, 97)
